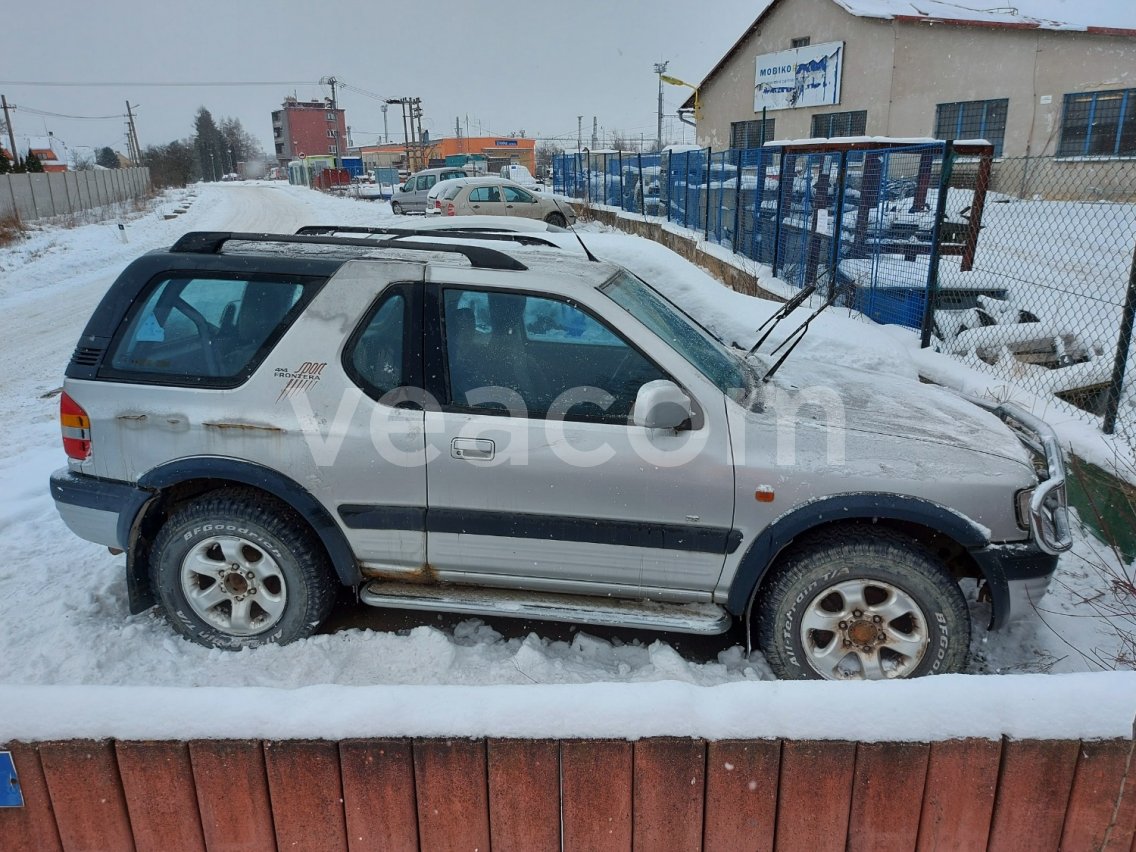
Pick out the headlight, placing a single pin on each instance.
(1023, 507)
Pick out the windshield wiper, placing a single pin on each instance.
(796, 335)
(781, 313)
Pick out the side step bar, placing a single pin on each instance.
(702, 618)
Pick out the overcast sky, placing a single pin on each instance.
(502, 67)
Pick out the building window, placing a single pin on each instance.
(973, 120)
(331, 133)
(1099, 124)
(803, 41)
(830, 124)
(333, 149)
(331, 116)
(748, 134)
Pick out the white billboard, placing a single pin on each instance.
(801, 77)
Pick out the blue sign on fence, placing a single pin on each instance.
(11, 796)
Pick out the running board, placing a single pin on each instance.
(701, 618)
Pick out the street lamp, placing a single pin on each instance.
(675, 81)
(660, 69)
(212, 166)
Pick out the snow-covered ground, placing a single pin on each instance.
(68, 634)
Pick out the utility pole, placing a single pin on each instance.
(579, 133)
(386, 135)
(132, 137)
(331, 81)
(595, 125)
(11, 133)
(660, 69)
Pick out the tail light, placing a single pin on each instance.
(451, 210)
(76, 428)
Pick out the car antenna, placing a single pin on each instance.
(780, 314)
(796, 336)
(572, 228)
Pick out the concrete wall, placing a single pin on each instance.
(898, 72)
(38, 196)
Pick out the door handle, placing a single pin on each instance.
(471, 448)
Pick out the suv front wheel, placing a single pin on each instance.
(237, 569)
(864, 605)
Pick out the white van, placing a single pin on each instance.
(411, 196)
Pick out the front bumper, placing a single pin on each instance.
(1017, 575)
(98, 510)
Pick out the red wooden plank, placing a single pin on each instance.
(524, 795)
(596, 780)
(814, 794)
(669, 791)
(453, 799)
(33, 825)
(232, 795)
(86, 794)
(378, 795)
(958, 797)
(741, 795)
(160, 795)
(307, 795)
(1033, 793)
(1102, 807)
(887, 796)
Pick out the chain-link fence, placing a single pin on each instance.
(1020, 268)
(1051, 288)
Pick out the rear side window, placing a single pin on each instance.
(206, 330)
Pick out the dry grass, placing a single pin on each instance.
(11, 229)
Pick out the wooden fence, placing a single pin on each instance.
(653, 794)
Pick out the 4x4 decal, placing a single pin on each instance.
(298, 380)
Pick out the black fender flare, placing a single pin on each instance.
(275, 483)
(845, 507)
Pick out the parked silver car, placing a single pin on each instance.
(464, 427)
(411, 196)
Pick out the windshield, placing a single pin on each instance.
(679, 331)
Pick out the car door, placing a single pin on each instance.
(485, 201)
(422, 185)
(518, 202)
(535, 477)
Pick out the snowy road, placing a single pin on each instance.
(63, 601)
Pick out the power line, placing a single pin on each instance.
(71, 84)
(34, 111)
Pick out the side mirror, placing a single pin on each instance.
(661, 404)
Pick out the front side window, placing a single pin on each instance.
(211, 330)
(1099, 124)
(701, 350)
(973, 120)
(535, 356)
(512, 194)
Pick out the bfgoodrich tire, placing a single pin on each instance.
(862, 604)
(236, 570)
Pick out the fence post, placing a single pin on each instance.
(622, 195)
(838, 221)
(780, 204)
(936, 232)
(737, 201)
(709, 169)
(1123, 344)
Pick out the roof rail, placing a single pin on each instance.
(211, 242)
(525, 238)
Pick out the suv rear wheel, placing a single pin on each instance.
(862, 605)
(236, 570)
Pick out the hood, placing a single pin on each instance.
(894, 408)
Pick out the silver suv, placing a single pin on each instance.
(468, 424)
